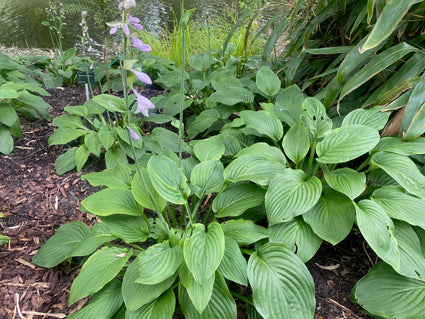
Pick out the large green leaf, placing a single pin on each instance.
(97, 271)
(66, 161)
(97, 236)
(387, 22)
(288, 105)
(136, 295)
(290, 195)
(298, 236)
(267, 81)
(346, 143)
(8, 114)
(144, 192)
(378, 230)
(296, 142)
(168, 180)
(208, 177)
(6, 140)
(111, 103)
(244, 232)
(209, 149)
(220, 306)
(158, 263)
(400, 205)
(119, 176)
(129, 228)
(232, 96)
(398, 146)
(403, 170)
(110, 201)
(346, 180)
(373, 118)
(104, 304)
(238, 198)
(314, 117)
(281, 285)
(202, 122)
(61, 244)
(385, 293)
(64, 135)
(233, 265)
(332, 217)
(161, 308)
(203, 251)
(263, 122)
(412, 125)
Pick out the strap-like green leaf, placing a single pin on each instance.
(413, 121)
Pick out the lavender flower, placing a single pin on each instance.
(138, 44)
(134, 134)
(143, 104)
(142, 76)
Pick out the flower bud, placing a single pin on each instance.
(127, 5)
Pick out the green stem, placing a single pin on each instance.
(186, 205)
(364, 164)
(181, 84)
(207, 215)
(312, 152)
(241, 298)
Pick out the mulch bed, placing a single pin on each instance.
(36, 202)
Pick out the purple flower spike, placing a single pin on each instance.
(142, 76)
(138, 26)
(138, 44)
(114, 30)
(143, 104)
(125, 29)
(134, 134)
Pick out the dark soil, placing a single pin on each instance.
(36, 202)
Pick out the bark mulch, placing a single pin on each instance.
(36, 202)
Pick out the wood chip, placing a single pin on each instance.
(45, 314)
(331, 267)
(26, 263)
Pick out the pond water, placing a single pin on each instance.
(20, 20)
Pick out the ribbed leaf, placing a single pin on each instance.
(245, 232)
(233, 265)
(203, 251)
(387, 22)
(111, 103)
(296, 142)
(64, 135)
(97, 236)
(209, 149)
(110, 201)
(161, 308)
(383, 292)
(378, 230)
(403, 170)
(238, 198)
(298, 236)
(290, 195)
(144, 192)
(400, 205)
(232, 96)
(282, 287)
(168, 180)
(267, 81)
(373, 118)
(129, 228)
(264, 123)
(97, 271)
(413, 121)
(314, 117)
(202, 122)
(346, 180)
(346, 143)
(6, 141)
(288, 105)
(8, 114)
(158, 263)
(61, 244)
(208, 177)
(332, 217)
(398, 146)
(221, 304)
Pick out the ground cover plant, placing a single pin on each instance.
(266, 173)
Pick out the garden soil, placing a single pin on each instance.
(35, 202)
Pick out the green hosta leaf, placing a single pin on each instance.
(398, 297)
(81, 156)
(400, 205)
(106, 137)
(129, 228)
(388, 21)
(8, 114)
(158, 263)
(332, 217)
(413, 121)
(64, 135)
(104, 304)
(244, 232)
(65, 162)
(264, 123)
(97, 236)
(398, 146)
(201, 61)
(166, 138)
(373, 118)
(233, 265)
(35, 102)
(69, 121)
(168, 180)
(403, 170)
(4, 240)
(378, 230)
(314, 117)
(6, 94)
(112, 201)
(267, 81)
(202, 122)
(296, 142)
(232, 96)
(238, 198)
(298, 236)
(290, 195)
(6, 140)
(161, 308)
(208, 176)
(412, 262)
(282, 287)
(346, 143)
(93, 143)
(119, 176)
(289, 103)
(209, 149)
(97, 271)
(144, 192)
(231, 144)
(137, 295)
(199, 292)
(346, 180)
(203, 251)
(111, 103)
(221, 304)
(60, 245)
(115, 157)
